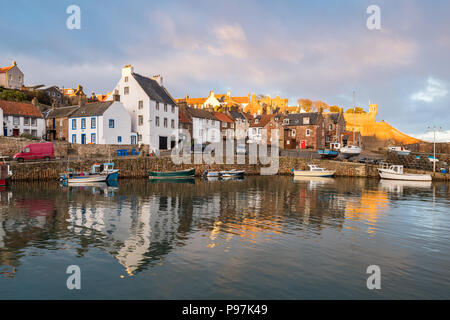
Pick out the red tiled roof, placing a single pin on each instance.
(263, 120)
(11, 108)
(182, 117)
(222, 117)
(4, 69)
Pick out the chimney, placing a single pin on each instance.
(80, 101)
(158, 79)
(127, 70)
(34, 101)
(14, 63)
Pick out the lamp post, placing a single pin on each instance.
(429, 129)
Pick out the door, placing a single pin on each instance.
(162, 143)
(5, 131)
(303, 144)
(15, 132)
(83, 138)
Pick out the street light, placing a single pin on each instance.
(429, 129)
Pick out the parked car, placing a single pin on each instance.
(36, 151)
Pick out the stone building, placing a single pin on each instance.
(57, 123)
(11, 77)
(334, 125)
(304, 131)
(267, 122)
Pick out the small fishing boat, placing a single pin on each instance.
(172, 174)
(395, 172)
(231, 173)
(314, 171)
(5, 173)
(99, 173)
(211, 174)
(350, 151)
(327, 153)
(400, 151)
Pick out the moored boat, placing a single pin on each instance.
(395, 172)
(400, 151)
(5, 173)
(327, 153)
(171, 174)
(314, 171)
(231, 173)
(350, 151)
(99, 173)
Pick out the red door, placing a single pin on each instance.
(15, 132)
(303, 144)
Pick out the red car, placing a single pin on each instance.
(36, 151)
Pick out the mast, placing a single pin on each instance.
(354, 110)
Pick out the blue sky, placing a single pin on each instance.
(297, 49)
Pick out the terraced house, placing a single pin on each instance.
(304, 130)
(20, 118)
(153, 112)
(101, 123)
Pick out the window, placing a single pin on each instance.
(34, 122)
(60, 122)
(83, 123)
(157, 106)
(126, 79)
(53, 94)
(74, 138)
(119, 139)
(157, 121)
(140, 104)
(165, 122)
(16, 120)
(26, 131)
(285, 121)
(172, 123)
(26, 121)
(111, 123)
(224, 124)
(330, 127)
(327, 139)
(93, 124)
(93, 138)
(232, 125)
(126, 90)
(306, 120)
(173, 109)
(140, 120)
(74, 124)
(294, 133)
(26, 150)
(139, 137)
(256, 120)
(165, 107)
(308, 132)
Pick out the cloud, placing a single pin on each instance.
(230, 40)
(435, 89)
(443, 136)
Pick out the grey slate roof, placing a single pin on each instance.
(333, 116)
(200, 113)
(154, 90)
(92, 109)
(237, 115)
(296, 119)
(60, 112)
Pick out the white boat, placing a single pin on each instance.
(395, 172)
(350, 151)
(314, 171)
(400, 151)
(231, 173)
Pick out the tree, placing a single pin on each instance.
(305, 104)
(357, 110)
(335, 109)
(320, 105)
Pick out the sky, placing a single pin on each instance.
(321, 50)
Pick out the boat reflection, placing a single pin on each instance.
(398, 186)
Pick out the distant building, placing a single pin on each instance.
(241, 123)
(1, 122)
(267, 105)
(226, 125)
(55, 94)
(20, 117)
(154, 113)
(266, 122)
(101, 123)
(205, 126)
(11, 77)
(216, 101)
(334, 125)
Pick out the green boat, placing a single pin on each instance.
(172, 174)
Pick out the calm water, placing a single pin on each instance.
(260, 238)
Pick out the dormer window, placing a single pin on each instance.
(306, 120)
(256, 120)
(126, 79)
(285, 121)
(330, 127)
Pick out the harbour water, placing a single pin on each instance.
(257, 238)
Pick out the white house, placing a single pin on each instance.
(205, 126)
(1, 123)
(11, 77)
(154, 113)
(21, 117)
(101, 123)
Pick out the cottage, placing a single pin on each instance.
(57, 122)
(154, 113)
(101, 123)
(303, 130)
(205, 126)
(20, 118)
(55, 94)
(334, 126)
(226, 125)
(11, 77)
(184, 121)
(266, 122)
(241, 123)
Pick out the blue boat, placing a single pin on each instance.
(327, 153)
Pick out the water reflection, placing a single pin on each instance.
(139, 223)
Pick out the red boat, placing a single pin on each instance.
(5, 173)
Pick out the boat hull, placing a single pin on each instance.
(304, 173)
(231, 174)
(172, 174)
(385, 174)
(86, 179)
